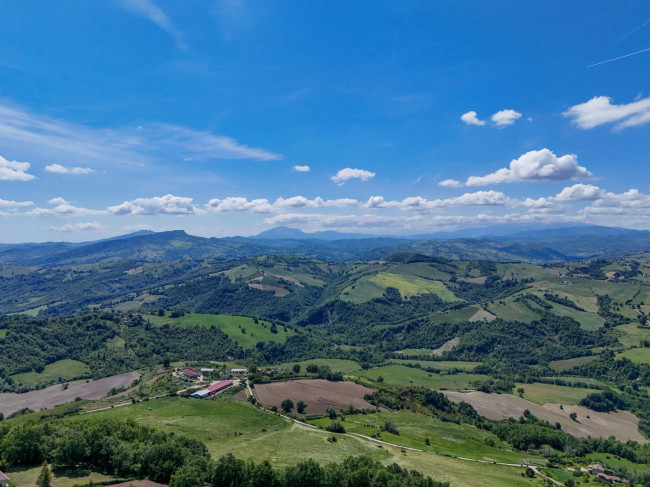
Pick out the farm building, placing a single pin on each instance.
(239, 371)
(206, 370)
(4, 480)
(191, 373)
(212, 389)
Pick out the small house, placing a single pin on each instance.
(192, 374)
(4, 480)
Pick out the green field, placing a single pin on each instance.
(65, 369)
(439, 364)
(335, 364)
(231, 326)
(368, 288)
(543, 393)
(631, 335)
(265, 436)
(513, 311)
(80, 476)
(400, 375)
(445, 438)
(3, 333)
(637, 355)
(568, 364)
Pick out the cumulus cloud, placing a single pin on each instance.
(419, 203)
(580, 192)
(238, 203)
(59, 169)
(65, 209)
(14, 204)
(348, 173)
(158, 205)
(600, 110)
(58, 201)
(471, 118)
(301, 168)
(14, 170)
(533, 166)
(505, 117)
(77, 227)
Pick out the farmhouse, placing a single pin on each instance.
(239, 371)
(212, 389)
(192, 374)
(4, 480)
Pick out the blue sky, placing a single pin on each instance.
(230, 117)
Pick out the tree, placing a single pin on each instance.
(296, 368)
(312, 368)
(573, 416)
(45, 477)
(287, 405)
(186, 476)
(301, 406)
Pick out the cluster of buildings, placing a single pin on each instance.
(602, 473)
(211, 389)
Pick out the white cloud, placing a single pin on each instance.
(450, 183)
(418, 203)
(46, 138)
(149, 10)
(77, 227)
(505, 117)
(158, 205)
(600, 110)
(348, 173)
(64, 210)
(14, 170)
(580, 192)
(301, 168)
(533, 166)
(59, 169)
(470, 118)
(14, 204)
(58, 201)
(238, 203)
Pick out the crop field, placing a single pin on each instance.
(588, 321)
(54, 395)
(65, 369)
(240, 329)
(568, 364)
(632, 335)
(319, 394)
(543, 393)
(513, 311)
(637, 355)
(335, 364)
(620, 424)
(445, 438)
(368, 288)
(400, 375)
(421, 269)
(439, 364)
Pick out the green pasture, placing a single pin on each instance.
(233, 326)
(438, 364)
(400, 375)
(65, 369)
(568, 364)
(335, 364)
(543, 393)
(444, 437)
(637, 355)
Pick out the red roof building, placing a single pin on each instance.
(191, 373)
(219, 386)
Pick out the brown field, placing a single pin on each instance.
(620, 424)
(482, 315)
(317, 393)
(445, 347)
(55, 395)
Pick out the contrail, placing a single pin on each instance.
(620, 57)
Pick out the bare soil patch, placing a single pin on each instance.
(278, 291)
(620, 424)
(447, 346)
(55, 395)
(482, 315)
(317, 393)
